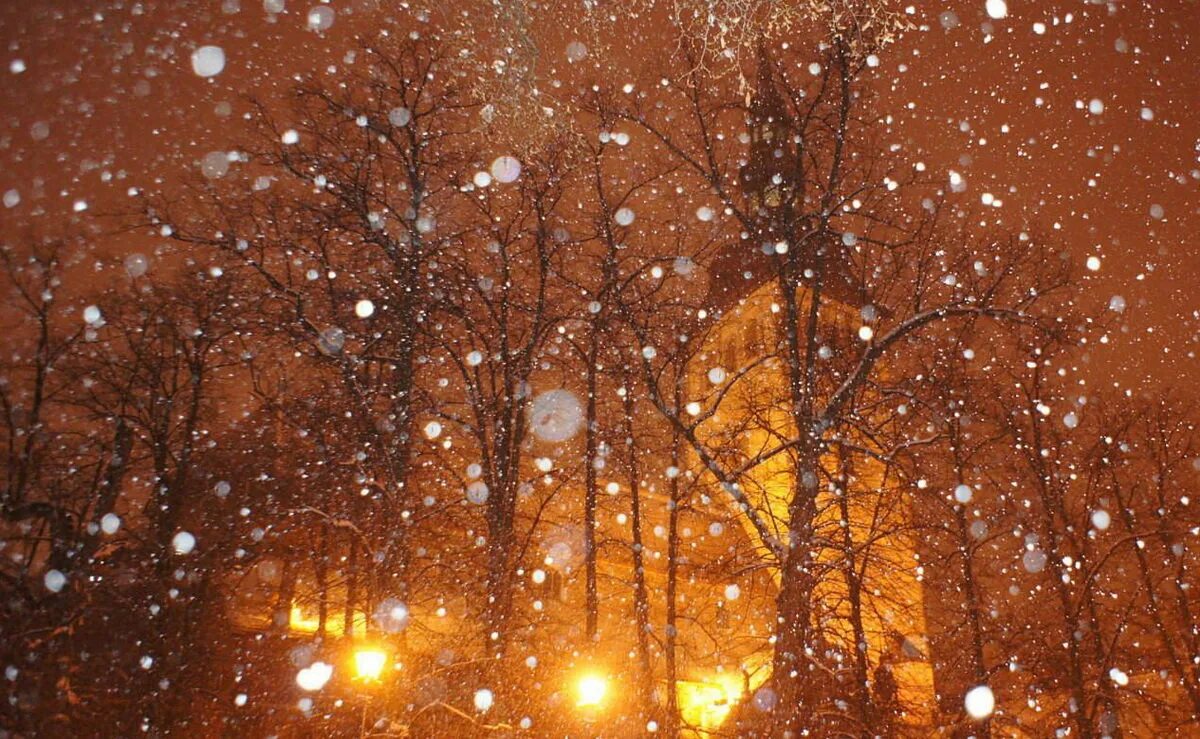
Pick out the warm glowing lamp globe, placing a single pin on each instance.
(369, 663)
(591, 689)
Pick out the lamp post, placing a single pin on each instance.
(369, 663)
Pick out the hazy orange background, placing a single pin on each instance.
(113, 82)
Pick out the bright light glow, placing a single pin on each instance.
(706, 704)
(369, 663)
(302, 622)
(591, 690)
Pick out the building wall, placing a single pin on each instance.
(868, 522)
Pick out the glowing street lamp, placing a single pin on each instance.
(369, 663)
(591, 690)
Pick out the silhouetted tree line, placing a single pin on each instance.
(417, 375)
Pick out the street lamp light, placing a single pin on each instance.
(369, 663)
(591, 690)
(368, 668)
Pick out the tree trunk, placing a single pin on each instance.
(641, 599)
(979, 672)
(589, 497)
(861, 664)
(351, 589)
(671, 631)
(795, 680)
(322, 579)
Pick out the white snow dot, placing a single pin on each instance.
(214, 164)
(1156, 212)
(482, 179)
(623, 216)
(364, 308)
(208, 61)
(320, 17)
(136, 265)
(54, 580)
(704, 213)
(474, 358)
(555, 415)
(576, 51)
(12, 198)
(979, 702)
(978, 529)
(1116, 304)
(963, 494)
(16, 66)
(1101, 519)
(399, 116)
(290, 136)
(331, 340)
(1093, 263)
(865, 333)
(477, 492)
(506, 169)
(1119, 677)
(716, 375)
(91, 315)
(110, 523)
(1071, 420)
(183, 543)
(732, 592)
(483, 700)
(1034, 561)
(765, 699)
(433, 429)
(1096, 106)
(314, 677)
(996, 9)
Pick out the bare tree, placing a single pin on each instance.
(858, 275)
